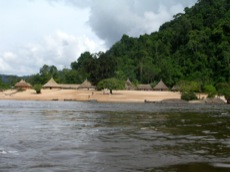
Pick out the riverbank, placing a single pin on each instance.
(99, 96)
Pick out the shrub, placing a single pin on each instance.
(188, 96)
(210, 90)
(227, 95)
(38, 88)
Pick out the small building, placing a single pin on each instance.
(145, 87)
(86, 85)
(161, 86)
(129, 85)
(22, 85)
(51, 84)
(69, 86)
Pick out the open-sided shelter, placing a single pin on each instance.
(145, 87)
(86, 85)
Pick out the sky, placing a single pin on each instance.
(56, 32)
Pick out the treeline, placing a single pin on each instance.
(194, 46)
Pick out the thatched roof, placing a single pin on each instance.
(68, 86)
(22, 84)
(51, 84)
(161, 86)
(144, 87)
(129, 85)
(86, 85)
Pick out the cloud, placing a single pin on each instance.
(111, 19)
(56, 32)
(59, 49)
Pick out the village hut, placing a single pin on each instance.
(86, 85)
(22, 85)
(68, 86)
(161, 86)
(129, 85)
(51, 84)
(144, 87)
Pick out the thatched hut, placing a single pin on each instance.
(145, 87)
(51, 84)
(68, 86)
(129, 85)
(86, 85)
(161, 86)
(23, 85)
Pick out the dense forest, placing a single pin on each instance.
(194, 46)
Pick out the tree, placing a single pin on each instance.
(37, 88)
(111, 84)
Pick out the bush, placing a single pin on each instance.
(227, 95)
(38, 88)
(210, 90)
(188, 96)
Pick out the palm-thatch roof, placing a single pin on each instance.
(23, 84)
(86, 85)
(51, 84)
(68, 86)
(144, 87)
(161, 86)
(129, 85)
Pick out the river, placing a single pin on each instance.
(112, 137)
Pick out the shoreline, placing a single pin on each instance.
(120, 96)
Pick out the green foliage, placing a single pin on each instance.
(37, 88)
(189, 86)
(210, 90)
(227, 94)
(221, 87)
(3, 86)
(111, 84)
(188, 96)
(224, 89)
(193, 48)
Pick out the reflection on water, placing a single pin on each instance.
(73, 136)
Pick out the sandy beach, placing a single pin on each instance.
(86, 95)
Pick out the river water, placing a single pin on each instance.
(109, 137)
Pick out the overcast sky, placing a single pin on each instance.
(56, 32)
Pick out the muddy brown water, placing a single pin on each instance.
(102, 137)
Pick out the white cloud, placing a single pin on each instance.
(111, 19)
(56, 32)
(59, 49)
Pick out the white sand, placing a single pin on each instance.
(85, 95)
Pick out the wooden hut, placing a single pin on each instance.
(161, 86)
(22, 85)
(51, 84)
(129, 85)
(145, 87)
(86, 85)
